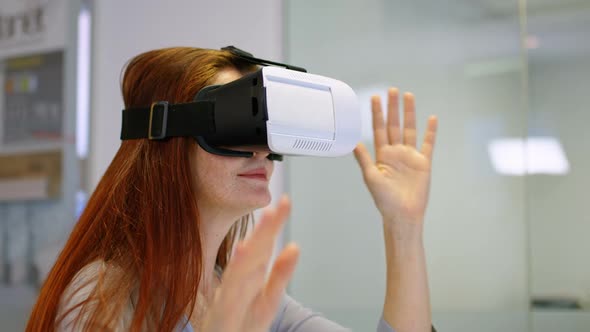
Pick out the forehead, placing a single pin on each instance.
(226, 75)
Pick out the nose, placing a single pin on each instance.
(260, 154)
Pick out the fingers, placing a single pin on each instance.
(363, 157)
(262, 239)
(430, 137)
(258, 246)
(393, 129)
(409, 133)
(245, 274)
(392, 133)
(284, 267)
(379, 131)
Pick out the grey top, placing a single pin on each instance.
(293, 317)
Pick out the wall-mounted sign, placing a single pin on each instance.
(28, 24)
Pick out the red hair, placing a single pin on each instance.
(143, 218)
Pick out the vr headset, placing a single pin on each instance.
(284, 111)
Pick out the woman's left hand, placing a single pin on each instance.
(399, 181)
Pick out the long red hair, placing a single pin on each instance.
(143, 218)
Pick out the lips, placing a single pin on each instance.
(258, 173)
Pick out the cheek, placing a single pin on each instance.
(217, 183)
(215, 176)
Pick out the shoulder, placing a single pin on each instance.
(292, 316)
(78, 300)
(83, 283)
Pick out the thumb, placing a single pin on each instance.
(363, 157)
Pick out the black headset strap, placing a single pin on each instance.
(248, 57)
(194, 119)
(187, 119)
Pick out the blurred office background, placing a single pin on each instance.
(507, 227)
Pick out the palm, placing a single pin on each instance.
(399, 180)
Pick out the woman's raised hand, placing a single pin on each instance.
(399, 178)
(247, 300)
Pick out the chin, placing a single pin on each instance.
(252, 194)
(259, 200)
(249, 201)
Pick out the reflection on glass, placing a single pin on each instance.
(533, 155)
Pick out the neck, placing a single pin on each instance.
(215, 224)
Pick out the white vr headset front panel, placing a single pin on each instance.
(310, 114)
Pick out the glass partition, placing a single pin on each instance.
(559, 90)
(505, 229)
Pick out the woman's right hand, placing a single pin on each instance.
(247, 300)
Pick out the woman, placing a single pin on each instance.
(152, 249)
